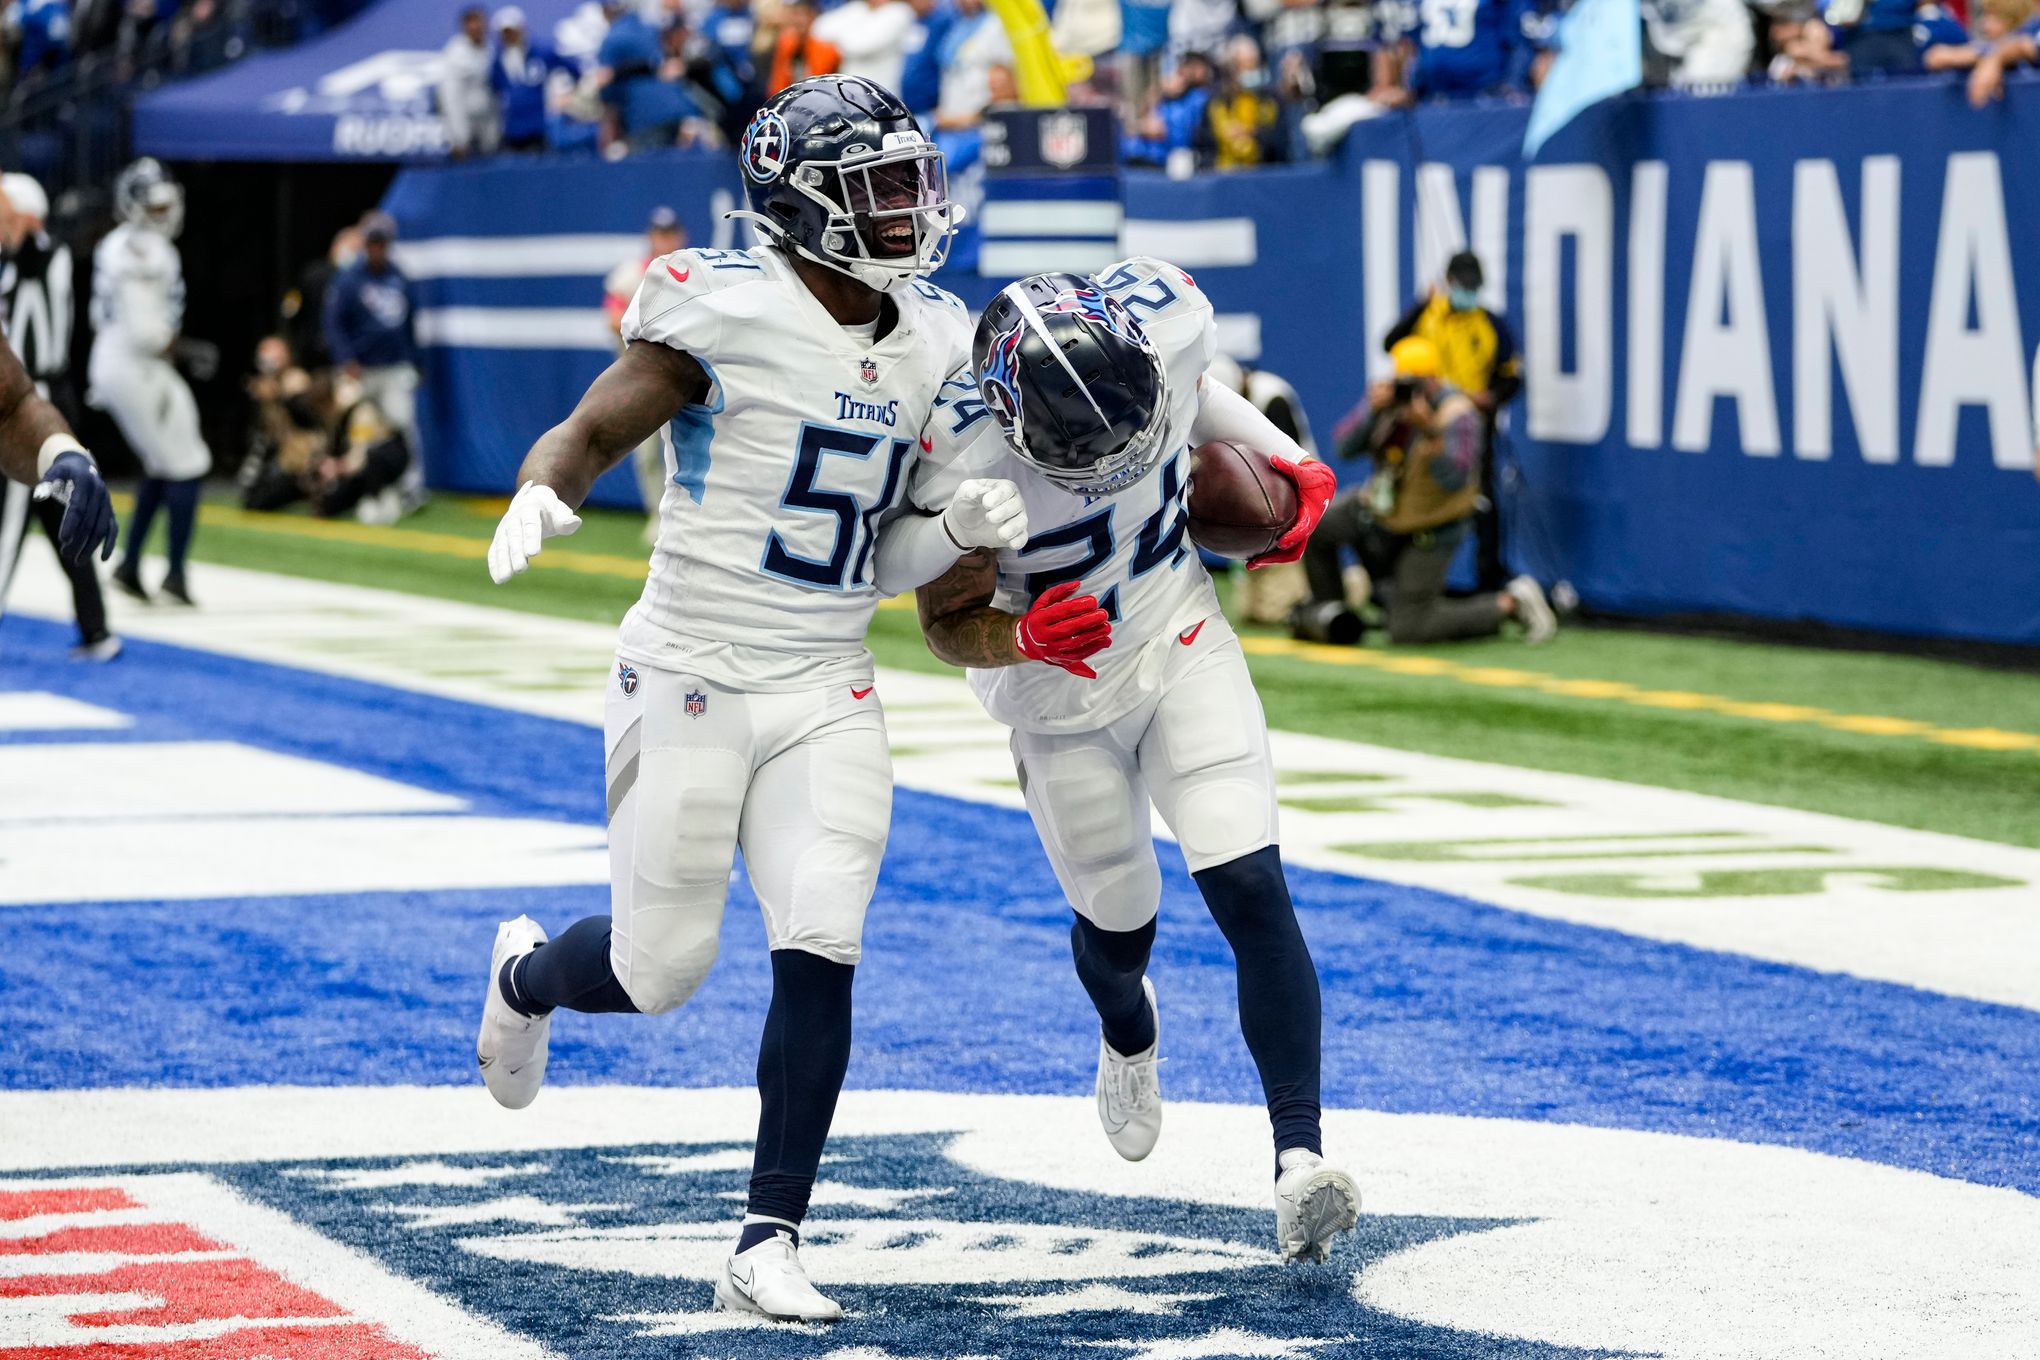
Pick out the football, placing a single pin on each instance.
(1239, 505)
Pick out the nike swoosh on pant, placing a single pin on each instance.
(857, 693)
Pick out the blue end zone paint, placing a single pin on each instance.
(1432, 1003)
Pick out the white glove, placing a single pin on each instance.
(536, 513)
(986, 513)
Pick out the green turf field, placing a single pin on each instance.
(1930, 744)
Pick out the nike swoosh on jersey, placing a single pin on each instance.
(857, 693)
(679, 275)
(1189, 635)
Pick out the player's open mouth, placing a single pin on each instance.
(896, 237)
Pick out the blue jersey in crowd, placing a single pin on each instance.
(643, 101)
(1466, 46)
(921, 76)
(368, 316)
(518, 77)
(1936, 27)
(731, 27)
(1144, 26)
(45, 32)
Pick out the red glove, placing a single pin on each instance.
(1315, 484)
(1063, 629)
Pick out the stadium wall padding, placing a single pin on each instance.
(1778, 358)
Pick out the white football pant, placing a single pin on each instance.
(802, 781)
(1198, 749)
(153, 406)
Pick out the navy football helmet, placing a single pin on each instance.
(1074, 382)
(836, 169)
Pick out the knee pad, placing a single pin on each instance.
(662, 972)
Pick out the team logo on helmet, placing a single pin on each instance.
(766, 146)
(1097, 305)
(999, 378)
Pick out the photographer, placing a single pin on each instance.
(1424, 436)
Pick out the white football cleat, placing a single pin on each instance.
(511, 1047)
(1130, 1092)
(1540, 624)
(1313, 1204)
(768, 1279)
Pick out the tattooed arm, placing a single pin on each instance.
(958, 620)
(630, 402)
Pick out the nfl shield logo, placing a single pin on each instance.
(868, 372)
(1065, 139)
(697, 703)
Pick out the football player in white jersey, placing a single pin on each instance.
(1091, 394)
(789, 384)
(137, 313)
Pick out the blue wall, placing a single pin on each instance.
(1706, 478)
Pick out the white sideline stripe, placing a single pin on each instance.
(38, 711)
(1073, 218)
(517, 257)
(516, 328)
(1239, 334)
(1212, 241)
(1006, 259)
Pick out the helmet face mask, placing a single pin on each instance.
(1078, 390)
(837, 171)
(145, 196)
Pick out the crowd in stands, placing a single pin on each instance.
(41, 39)
(1199, 84)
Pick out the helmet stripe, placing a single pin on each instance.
(1033, 319)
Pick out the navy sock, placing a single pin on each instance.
(1110, 964)
(759, 1230)
(1280, 1010)
(801, 1061)
(148, 498)
(180, 499)
(570, 972)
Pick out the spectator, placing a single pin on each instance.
(518, 77)
(1874, 35)
(1407, 522)
(682, 57)
(1466, 48)
(1477, 352)
(1357, 71)
(871, 38)
(664, 234)
(646, 111)
(921, 70)
(467, 105)
(1144, 36)
(1245, 119)
(1707, 43)
(731, 26)
(1941, 42)
(2021, 47)
(796, 52)
(1174, 125)
(1200, 25)
(369, 334)
(45, 35)
(303, 312)
(971, 46)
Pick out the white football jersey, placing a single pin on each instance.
(776, 485)
(1131, 550)
(137, 289)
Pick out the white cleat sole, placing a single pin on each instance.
(1328, 1205)
(730, 1299)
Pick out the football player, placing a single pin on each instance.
(789, 384)
(35, 317)
(1090, 394)
(137, 312)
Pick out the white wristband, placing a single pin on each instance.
(53, 448)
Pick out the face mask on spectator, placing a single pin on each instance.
(1463, 299)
